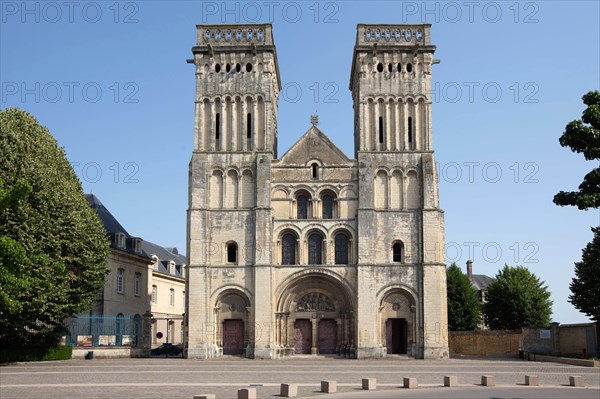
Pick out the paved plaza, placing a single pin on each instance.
(182, 379)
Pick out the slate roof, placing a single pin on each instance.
(480, 281)
(165, 256)
(112, 226)
(149, 249)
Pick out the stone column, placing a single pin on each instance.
(211, 127)
(256, 122)
(243, 122)
(314, 348)
(234, 125)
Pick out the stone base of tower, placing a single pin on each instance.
(370, 352)
(203, 351)
(436, 353)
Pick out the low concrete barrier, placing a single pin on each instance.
(369, 384)
(205, 396)
(328, 386)
(532, 380)
(247, 393)
(289, 390)
(410, 382)
(576, 381)
(564, 360)
(488, 380)
(450, 381)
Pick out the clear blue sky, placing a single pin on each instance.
(110, 81)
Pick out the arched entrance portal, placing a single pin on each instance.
(397, 321)
(231, 314)
(315, 315)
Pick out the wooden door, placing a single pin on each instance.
(327, 336)
(233, 337)
(302, 336)
(396, 336)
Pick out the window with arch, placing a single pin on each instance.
(288, 249)
(232, 252)
(119, 323)
(327, 206)
(315, 249)
(341, 249)
(302, 205)
(315, 171)
(398, 252)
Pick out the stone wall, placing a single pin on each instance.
(485, 343)
(577, 339)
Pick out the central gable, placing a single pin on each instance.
(314, 144)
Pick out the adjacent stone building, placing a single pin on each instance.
(313, 252)
(143, 277)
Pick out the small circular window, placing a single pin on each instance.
(409, 68)
(380, 67)
(238, 67)
(218, 68)
(248, 67)
(228, 68)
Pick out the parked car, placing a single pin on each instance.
(167, 349)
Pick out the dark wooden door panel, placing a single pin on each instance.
(327, 336)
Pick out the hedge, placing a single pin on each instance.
(35, 354)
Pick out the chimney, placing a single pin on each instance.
(470, 270)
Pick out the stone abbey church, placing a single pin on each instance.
(312, 252)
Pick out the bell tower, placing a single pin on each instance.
(235, 140)
(398, 207)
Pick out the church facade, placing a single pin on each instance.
(314, 252)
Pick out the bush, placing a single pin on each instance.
(35, 354)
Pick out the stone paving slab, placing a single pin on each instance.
(181, 378)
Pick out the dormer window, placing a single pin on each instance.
(120, 240)
(137, 245)
(155, 264)
(171, 267)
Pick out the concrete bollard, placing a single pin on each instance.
(488, 380)
(576, 381)
(247, 393)
(410, 382)
(205, 396)
(289, 390)
(450, 381)
(532, 380)
(369, 384)
(328, 386)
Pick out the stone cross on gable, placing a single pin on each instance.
(314, 119)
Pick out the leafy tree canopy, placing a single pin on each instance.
(583, 136)
(517, 298)
(464, 311)
(53, 243)
(585, 287)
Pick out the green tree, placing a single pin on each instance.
(583, 136)
(464, 311)
(585, 286)
(517, 298)
(52, 241)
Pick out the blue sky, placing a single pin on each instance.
(110, 81)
